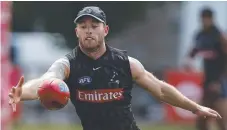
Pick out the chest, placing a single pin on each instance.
(99, 75)
(209, 40)
(99, 83)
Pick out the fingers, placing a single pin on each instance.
(212, 115)
(11, 98)
(13, 90)
(14, 106)
(216, 113)
(12, 102)
(21, 82)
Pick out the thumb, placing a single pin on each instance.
(21, 82)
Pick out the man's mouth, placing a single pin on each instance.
(89, 38)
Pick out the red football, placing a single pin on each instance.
(53, 94)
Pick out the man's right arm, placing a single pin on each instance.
(59, 69)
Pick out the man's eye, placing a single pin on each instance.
(94, 26)
(83, 27)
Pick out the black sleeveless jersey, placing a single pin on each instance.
(209, 43)
(100, 90)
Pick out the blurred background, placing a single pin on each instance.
(159, 34)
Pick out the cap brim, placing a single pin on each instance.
(78, 17)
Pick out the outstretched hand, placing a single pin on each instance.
(207, 112)
(15, 94)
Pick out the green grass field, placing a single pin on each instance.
(77, 127)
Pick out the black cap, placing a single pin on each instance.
(206, 12)
(92, 11)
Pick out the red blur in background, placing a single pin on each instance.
(190, 85)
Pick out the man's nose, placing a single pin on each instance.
(89, 30)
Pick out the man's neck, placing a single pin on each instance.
(95, 54)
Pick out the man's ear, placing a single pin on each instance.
(106, 29)
(76, 31)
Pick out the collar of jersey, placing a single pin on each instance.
(87, 58)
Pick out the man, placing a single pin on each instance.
(100, 79)
(211, 44)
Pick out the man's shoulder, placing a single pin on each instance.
(117, 50)
(72, 54)
(63, 59)
(120, 54)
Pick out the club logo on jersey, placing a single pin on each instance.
(100, 95)
(85, 80)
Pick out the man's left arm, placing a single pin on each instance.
(166, 92)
